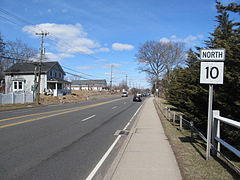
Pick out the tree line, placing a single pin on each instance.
(180, 83)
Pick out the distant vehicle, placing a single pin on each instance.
(139, 94)
(146, 94)
(125, 94)
(137, 98)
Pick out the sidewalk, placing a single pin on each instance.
(147, 155)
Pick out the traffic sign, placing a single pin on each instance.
(212, 54)
(211, 72)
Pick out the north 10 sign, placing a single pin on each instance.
(211, 72)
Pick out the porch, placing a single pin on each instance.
(57, 87)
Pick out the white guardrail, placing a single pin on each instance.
(217, 120)
(216, 140)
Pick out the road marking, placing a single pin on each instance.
(88, 118)
(96, 168)
(65, 111)
(114, 107)
(132, 117)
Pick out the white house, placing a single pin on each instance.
(91, 85)
(21, 77)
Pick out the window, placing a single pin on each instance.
(17, 85)
(20, 85)
(50, 73)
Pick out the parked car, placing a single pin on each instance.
(139, 94)
(137, 98)
(124, 94)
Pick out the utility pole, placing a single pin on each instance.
(111, 79)
(42, 34)
(126, 80)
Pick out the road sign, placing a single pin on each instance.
(211, 72)
(212, 54)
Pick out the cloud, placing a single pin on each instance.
(64, 10)
(84, 67)
(69, 38)
(103, 50)
(101, 60)
(57, 57)
(122, 47)
(189, 40)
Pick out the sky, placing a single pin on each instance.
(88, 36)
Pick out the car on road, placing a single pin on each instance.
(124, 94)
(139, 94)
(137, 98)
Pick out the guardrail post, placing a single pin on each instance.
(216, 133)
(166, 112)
(174, 117)
(191, 127)
(169, 114)
(180, 122)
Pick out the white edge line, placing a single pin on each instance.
(88, 118)
(91, 175)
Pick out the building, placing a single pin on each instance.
(21, 77)
(91, 85)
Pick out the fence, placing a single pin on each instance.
(14, 98)
(175, 118)
(217, 141)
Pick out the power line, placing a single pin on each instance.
(14, 16)
(25, 22)
(6, 19)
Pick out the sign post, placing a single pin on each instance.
(211, 72)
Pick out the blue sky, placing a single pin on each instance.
(89, 35)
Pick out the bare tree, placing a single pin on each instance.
(173, 55)
(156, 58)
(2, 48)
(150, 59)
(17, 51)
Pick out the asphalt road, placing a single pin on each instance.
(60, 142)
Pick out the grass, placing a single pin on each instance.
(190, 155)
(5, 107)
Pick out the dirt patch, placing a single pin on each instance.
(8, 107)
(76, 96)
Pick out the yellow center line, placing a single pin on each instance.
(18, 117)
(56, 114)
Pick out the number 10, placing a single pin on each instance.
(212, 71)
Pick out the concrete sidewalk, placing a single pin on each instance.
(147, 155)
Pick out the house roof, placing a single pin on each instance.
(102, 82)
(29, 67)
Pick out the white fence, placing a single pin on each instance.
(217, 119)
(175, 118)
(14, 98)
